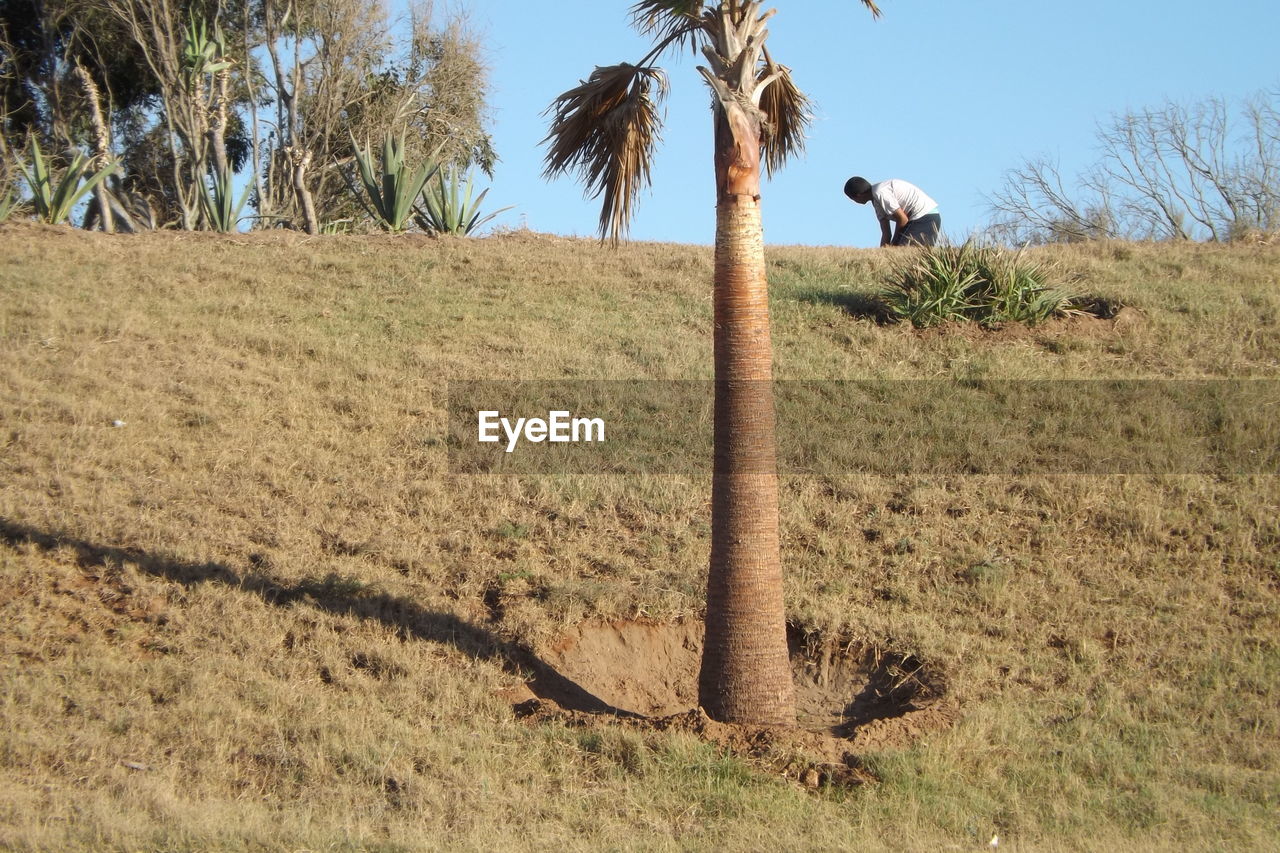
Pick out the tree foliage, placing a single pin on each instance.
(195, 91)
(606, 129)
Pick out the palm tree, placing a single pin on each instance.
(605, 129)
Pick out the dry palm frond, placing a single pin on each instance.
(668, 21)
(787, 113)
(872, 7)
(606, 129)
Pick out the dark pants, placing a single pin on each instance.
(922, 232)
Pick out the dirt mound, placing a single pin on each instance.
(849, 698)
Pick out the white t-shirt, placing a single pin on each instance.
(888, 196)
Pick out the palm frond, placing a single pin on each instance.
(872, 8)
(606, 129)
(787, 113)
(668, 21)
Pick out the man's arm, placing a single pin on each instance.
(899, 217)
(885, 236)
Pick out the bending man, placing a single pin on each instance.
(900, 204)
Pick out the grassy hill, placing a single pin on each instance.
(246, 604)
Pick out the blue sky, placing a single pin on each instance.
(947, 94)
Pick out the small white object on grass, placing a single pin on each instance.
(117, 423)
(994, 842)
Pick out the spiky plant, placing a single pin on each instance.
(202, 53)
(605, 130)
(55, 199)
(935, 285)
(1017, 290)
(390, 194)
(221, 208)
(447, 205)
(982, 284)
(9, 202)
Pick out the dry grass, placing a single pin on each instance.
(262, 614)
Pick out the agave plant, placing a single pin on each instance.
(8, 204)
(54, 201)
(221, 208)
(447, 205)
(391, 195)
(201, 53)
(983, 284)
(936, 285)
(1017, 291)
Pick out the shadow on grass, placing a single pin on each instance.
(860, 304)
(338, 595)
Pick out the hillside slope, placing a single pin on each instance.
(246, 604)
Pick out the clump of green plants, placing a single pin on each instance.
(982, 284)
(448, 206)
(390, 194)
(218, 201)
(55, 198)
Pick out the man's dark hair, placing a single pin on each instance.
(856, 186)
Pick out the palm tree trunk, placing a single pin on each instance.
(746, 674)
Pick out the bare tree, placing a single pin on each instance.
(1259, 177)
(1037, 207)
(1175, 172)
(291, 156)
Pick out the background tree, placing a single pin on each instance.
(185, 93)
(41, 43)
(1177, 172)
(1035, 206)
(605, 129)
(68, 67)
(338, 71)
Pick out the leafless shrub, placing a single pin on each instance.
(1176, 172)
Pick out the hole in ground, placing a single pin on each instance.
(863, 696)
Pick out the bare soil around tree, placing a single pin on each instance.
(644, 676)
